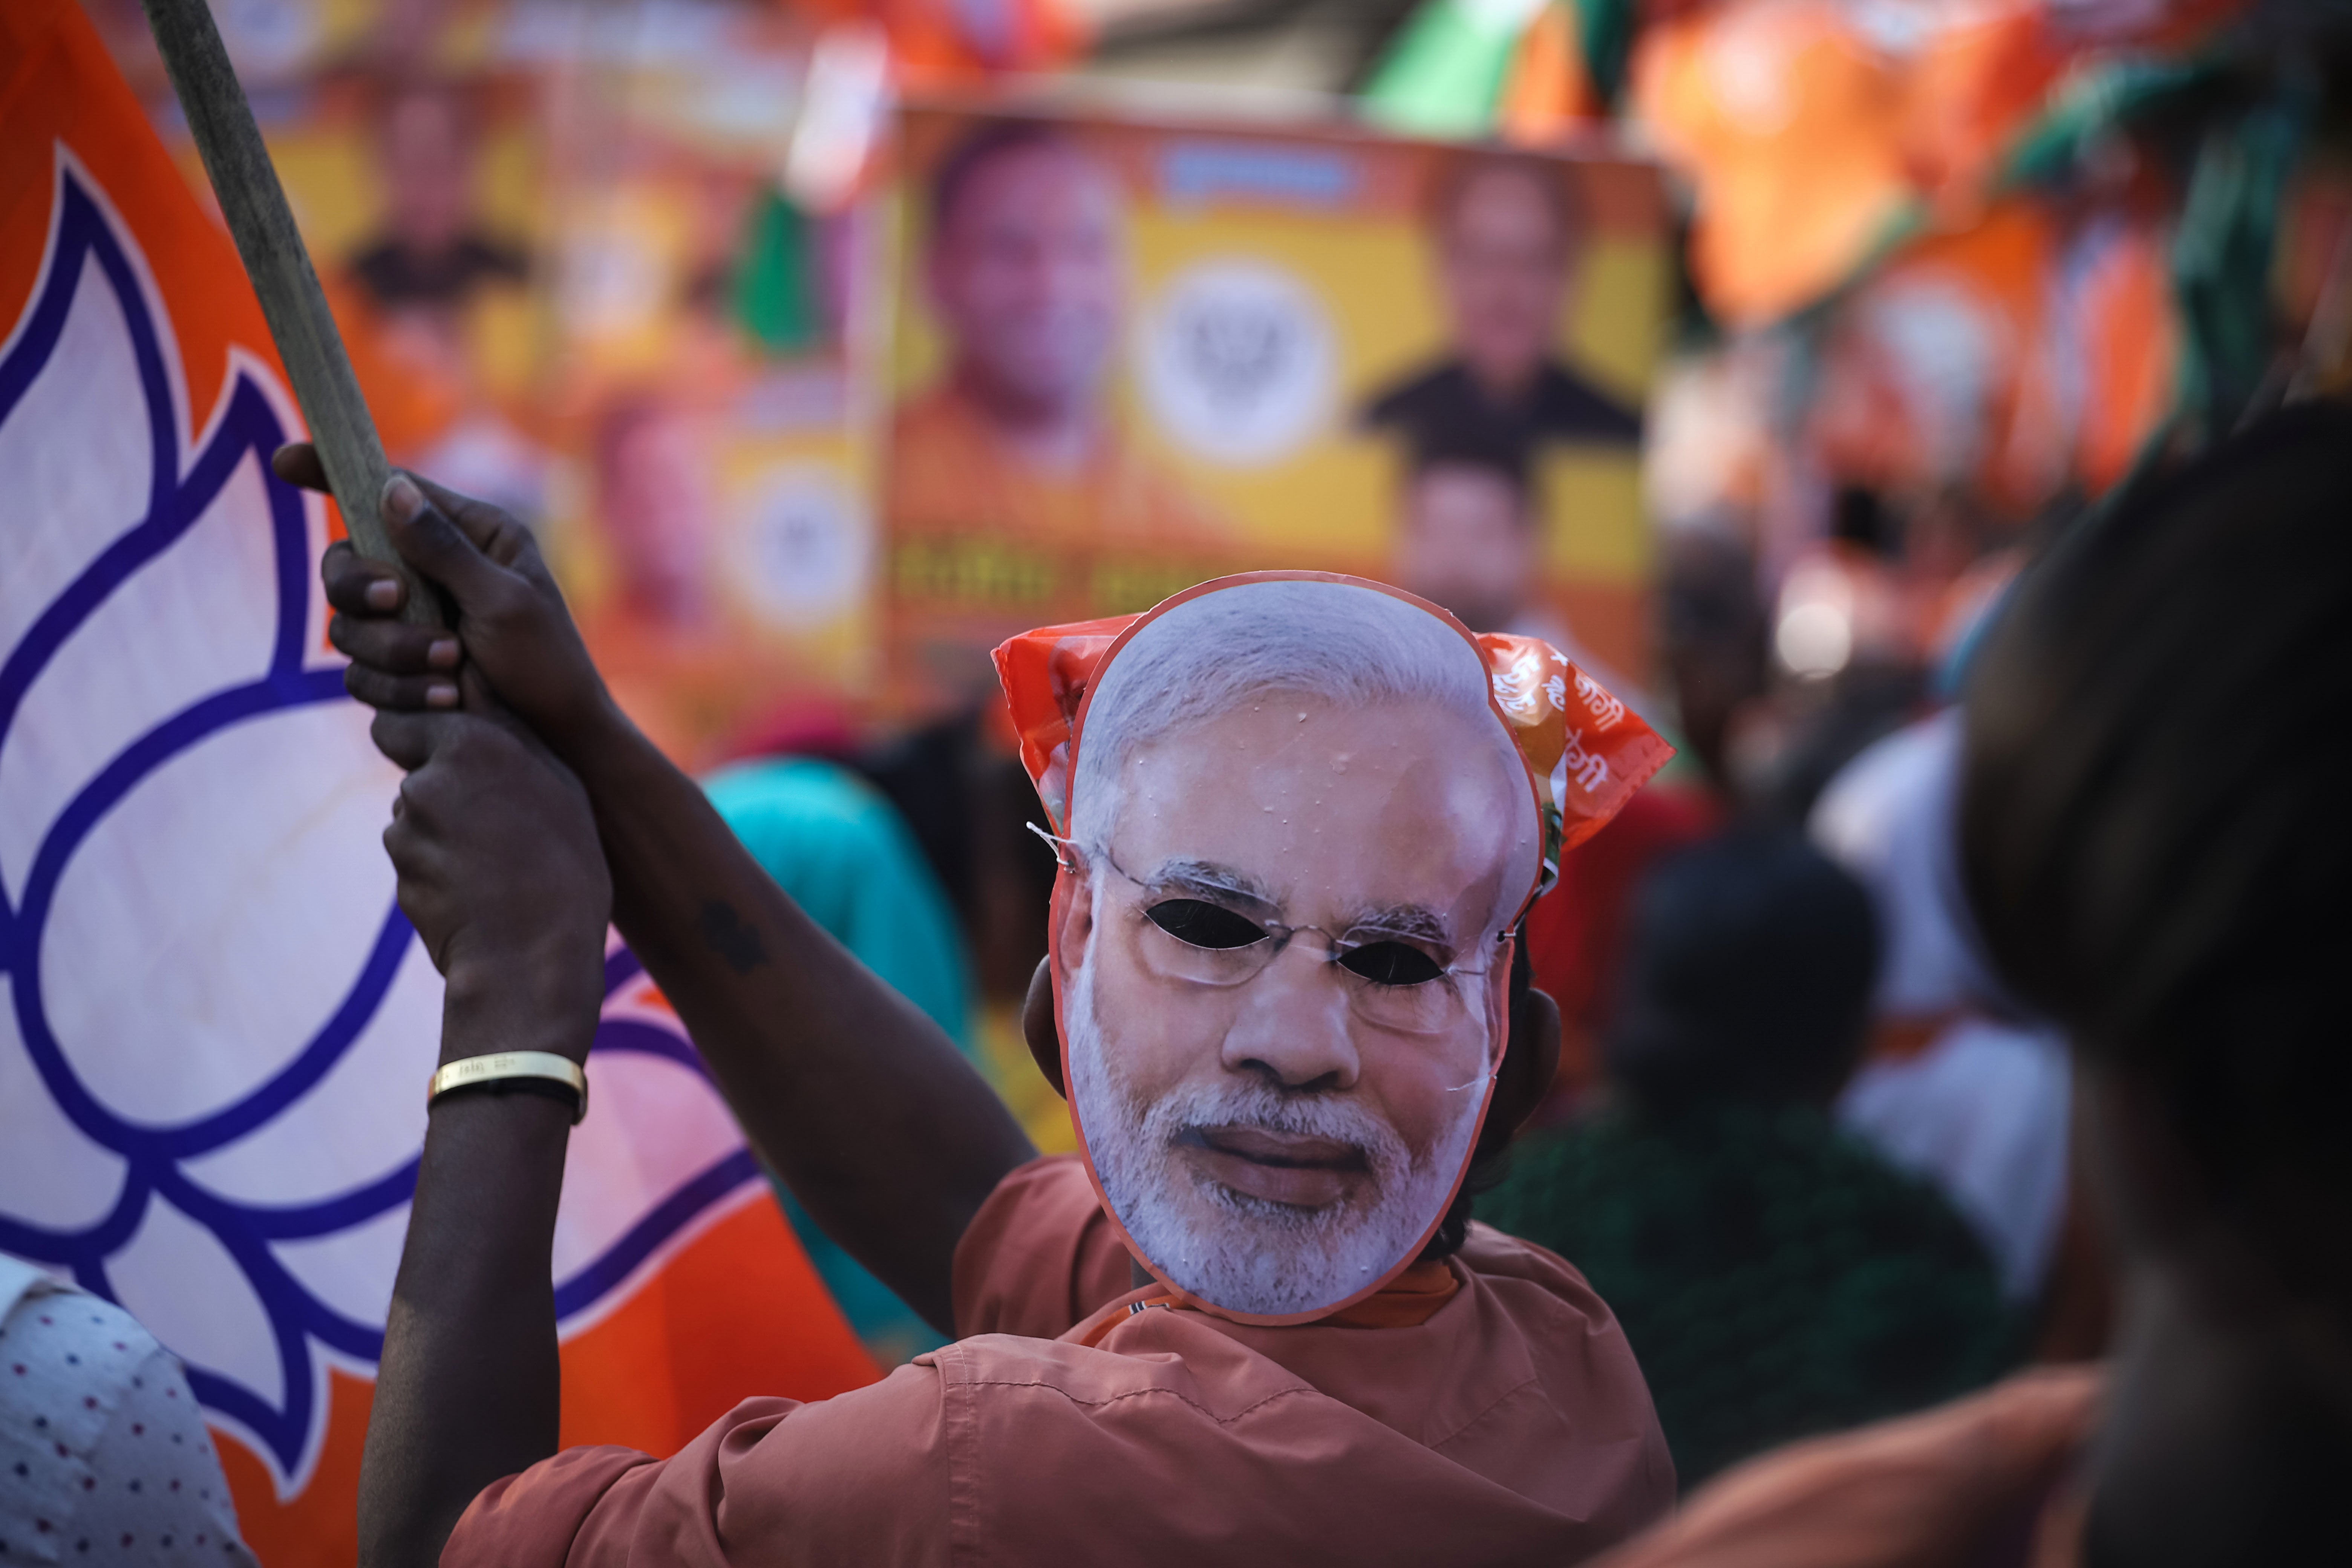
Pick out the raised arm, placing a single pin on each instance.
(499, 874)
(849, 1093)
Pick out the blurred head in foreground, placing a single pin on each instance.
(2154, 844)
(1748, 970)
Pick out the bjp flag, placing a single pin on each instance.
(215, 1023)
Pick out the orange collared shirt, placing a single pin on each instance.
(1501, 1419)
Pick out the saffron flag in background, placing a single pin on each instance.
(215, 1023)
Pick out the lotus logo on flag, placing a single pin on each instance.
(216, 1025)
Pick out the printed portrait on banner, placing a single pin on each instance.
(1127, 357)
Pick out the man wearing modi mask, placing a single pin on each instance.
(1299, 818)
(1300, 832)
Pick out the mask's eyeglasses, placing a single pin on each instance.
(1394, 982)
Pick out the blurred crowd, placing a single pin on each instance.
(1947, 278)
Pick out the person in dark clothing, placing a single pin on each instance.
(1507, 239)
(1775, 1278)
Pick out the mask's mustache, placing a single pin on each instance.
(1273, 1146)
(1189, 1116)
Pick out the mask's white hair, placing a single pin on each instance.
(1345, 645)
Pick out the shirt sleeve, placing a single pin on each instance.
(860, 1477)
(1041, 1256)
(104, 1457)
(169, 1502)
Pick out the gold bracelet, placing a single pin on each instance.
(501, 1065)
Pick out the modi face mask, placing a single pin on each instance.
(1299, 819)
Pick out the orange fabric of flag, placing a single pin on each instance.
(1970, 91)
(685, 1291)
(1547, 93)
(1791, 127)
(1815, 131)
(936, 42)
(2126, 329)
(1932, 367)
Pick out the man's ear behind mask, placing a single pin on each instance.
(1037, 1026)
(1529, 1061)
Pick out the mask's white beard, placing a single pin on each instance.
(1228, 1248)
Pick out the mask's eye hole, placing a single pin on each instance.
(1199, 924)
(1392, 964)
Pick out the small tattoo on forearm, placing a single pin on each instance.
(726, 934)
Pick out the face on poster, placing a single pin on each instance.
(1127, 357)
(1297, 833)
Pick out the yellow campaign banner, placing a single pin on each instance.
(1128, 356)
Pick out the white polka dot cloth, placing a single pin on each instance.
(103, 1453)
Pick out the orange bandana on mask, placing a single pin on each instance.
(1585, 751)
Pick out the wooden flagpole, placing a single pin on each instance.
(263, 226)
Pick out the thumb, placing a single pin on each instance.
(478, 697)
(409, 740)
(436, 546)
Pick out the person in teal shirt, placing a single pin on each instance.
(843, 853)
